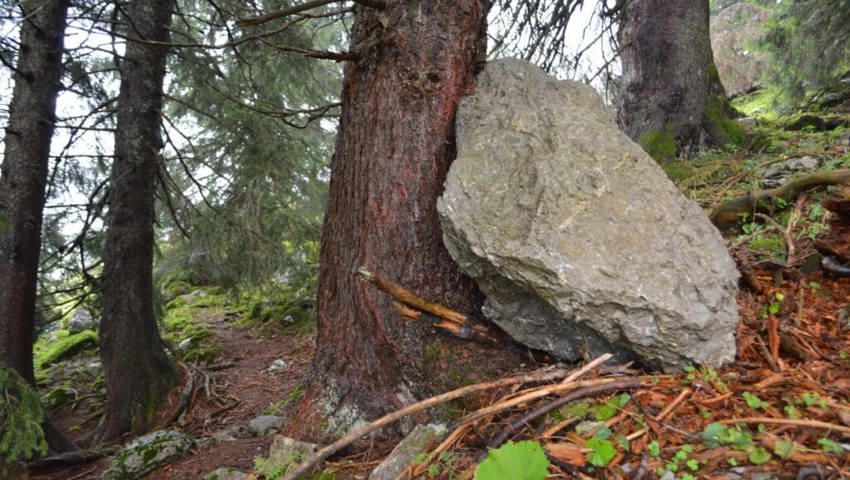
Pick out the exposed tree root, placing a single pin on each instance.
(757, 201)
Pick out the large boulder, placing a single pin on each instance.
(733, 32)
(575, 235)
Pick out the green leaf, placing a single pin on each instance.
(514, 461)
(653, 448)
(784, 448)
(829, 446)
(693, 464)
(754, 401)
(603, 452)
(758, 455)
(713, 434)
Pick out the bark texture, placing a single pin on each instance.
(24, 176)
(394, 148)
(671, 99)
(138, 373)
(23, 182)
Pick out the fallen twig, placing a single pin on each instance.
(786, 421)
(306, 466)
(570, 397)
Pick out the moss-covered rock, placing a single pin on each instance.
(63, 346)
(147, 453)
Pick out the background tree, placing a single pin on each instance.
(809, 42)
(138, 373)
(671, 99)
(415, 60)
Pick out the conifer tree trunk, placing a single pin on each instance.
(23, 179)
(393, 150)
(24, 176)
(671, 99)
(138, 373)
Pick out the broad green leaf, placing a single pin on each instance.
(514, 461)
(758, 455)
(603, 452)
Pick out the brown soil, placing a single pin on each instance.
(236, 395)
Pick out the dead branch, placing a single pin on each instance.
(543, 375)
(756, 201)
(268, 17)
(455, 322)
(570, 397)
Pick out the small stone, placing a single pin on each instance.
(94, 368)
(803, 164)
(81, 320)
(277, 366)
(747, 122)
(407, 450)
(285, 451)
(226, 473)
(588, 428)
(265, 425)
(288, 320)
(147, 453)
(223, 436)
(183, 345)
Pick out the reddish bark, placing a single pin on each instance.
(137, 371)
(394, 147)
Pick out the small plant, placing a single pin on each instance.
(828, 446)
(516, 461)
(602, 451)
(754, 401)
(653, 448)
(21, 437)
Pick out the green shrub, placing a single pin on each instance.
(21, 414)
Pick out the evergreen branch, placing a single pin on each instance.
(295, 9)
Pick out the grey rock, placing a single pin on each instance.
(588, 428)
(277, 366)
(265, 425)
(94, 368)
(191, 297)
(802, 164)
(223, 436)
(747, 122)
(81, 320)
(407, 450)
(147, 453)
(226, 473)
(184, 344)
(576, 236)
(285, 451)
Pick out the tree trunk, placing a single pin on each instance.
(138, 373)
(671, 99)
(23, 183)
(394, 147)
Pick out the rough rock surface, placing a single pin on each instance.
(81, 320)
(285, 451)
(226, 474)
(147, 453)
(407, 450)
(265, 425)
(732, 30)
(575, 235)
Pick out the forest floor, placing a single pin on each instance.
(782, 410)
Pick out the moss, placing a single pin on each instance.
(64, 346)
(180, 325)
(724, 128)
(660, 145)
(21, 414)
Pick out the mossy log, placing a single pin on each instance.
(730, 213)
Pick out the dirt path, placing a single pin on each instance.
(218, 422)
